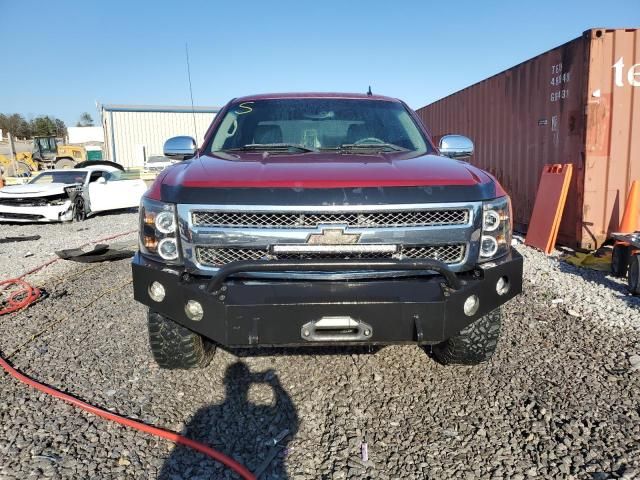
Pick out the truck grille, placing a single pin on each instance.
(420, 218)
(215, 257)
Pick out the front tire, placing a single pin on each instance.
(65, 163)
(473, 345)
(176, 347)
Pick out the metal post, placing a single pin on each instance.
(12, 153)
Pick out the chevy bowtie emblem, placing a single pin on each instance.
(333, 236)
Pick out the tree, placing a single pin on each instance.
(23, 129)
(43, 126)
(61, 128)
(85, 120)
(15, 124)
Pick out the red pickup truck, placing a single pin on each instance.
(323, 219)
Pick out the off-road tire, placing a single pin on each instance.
(633, 278)
(65, 163)
(176, 347)
(473, 345)
(620, 258)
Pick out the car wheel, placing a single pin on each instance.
(633, 277)
(473, 345)
(620, 259)
(79, 210)
(174, 346)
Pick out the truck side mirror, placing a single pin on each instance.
(456, 146)
(180, 148)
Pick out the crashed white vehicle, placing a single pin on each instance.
(73, 194)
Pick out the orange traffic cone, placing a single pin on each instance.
(629, 223)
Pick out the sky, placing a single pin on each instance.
(60, 58)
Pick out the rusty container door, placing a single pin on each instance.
(522, 119)
(613, 129)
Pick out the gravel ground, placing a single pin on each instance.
(19, 257)
(560, 399)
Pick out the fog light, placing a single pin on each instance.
(156, 292)
(194, 310)
(168, 249)
(488, 246)
(471, 305)
(502, 285)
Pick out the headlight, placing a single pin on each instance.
(159, 230)
(496, 229)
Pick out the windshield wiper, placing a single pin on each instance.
(371, 146)
(271, 147)
(368, 147)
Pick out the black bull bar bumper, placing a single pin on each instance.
(424, 308)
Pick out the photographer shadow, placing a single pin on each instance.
(243, 430)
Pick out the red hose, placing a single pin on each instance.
(19, 299)
(142, 427)
(25, 296)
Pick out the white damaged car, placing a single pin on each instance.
(73, 194)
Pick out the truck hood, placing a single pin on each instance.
(29, 191)
(324, 170)
(322, 179)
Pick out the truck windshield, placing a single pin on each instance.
(317, 124)
(45, 144)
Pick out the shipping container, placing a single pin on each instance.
(133, 133)
(578, 103)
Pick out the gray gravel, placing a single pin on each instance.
(19, 257)
(560, 398)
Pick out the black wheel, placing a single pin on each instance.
(79, 210)
(174, 346)
(620, 260)
(633, 277)
(473, 345)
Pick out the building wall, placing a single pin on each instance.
(85, 134)
(132, 136)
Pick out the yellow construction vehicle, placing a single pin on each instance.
(49, 154)
(46, 153)
(22, 167)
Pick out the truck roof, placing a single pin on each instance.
(302, 95)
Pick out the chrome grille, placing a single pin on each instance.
(215, 257)
(418, 218)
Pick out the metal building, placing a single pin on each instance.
(133, 133)
(578, 103)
